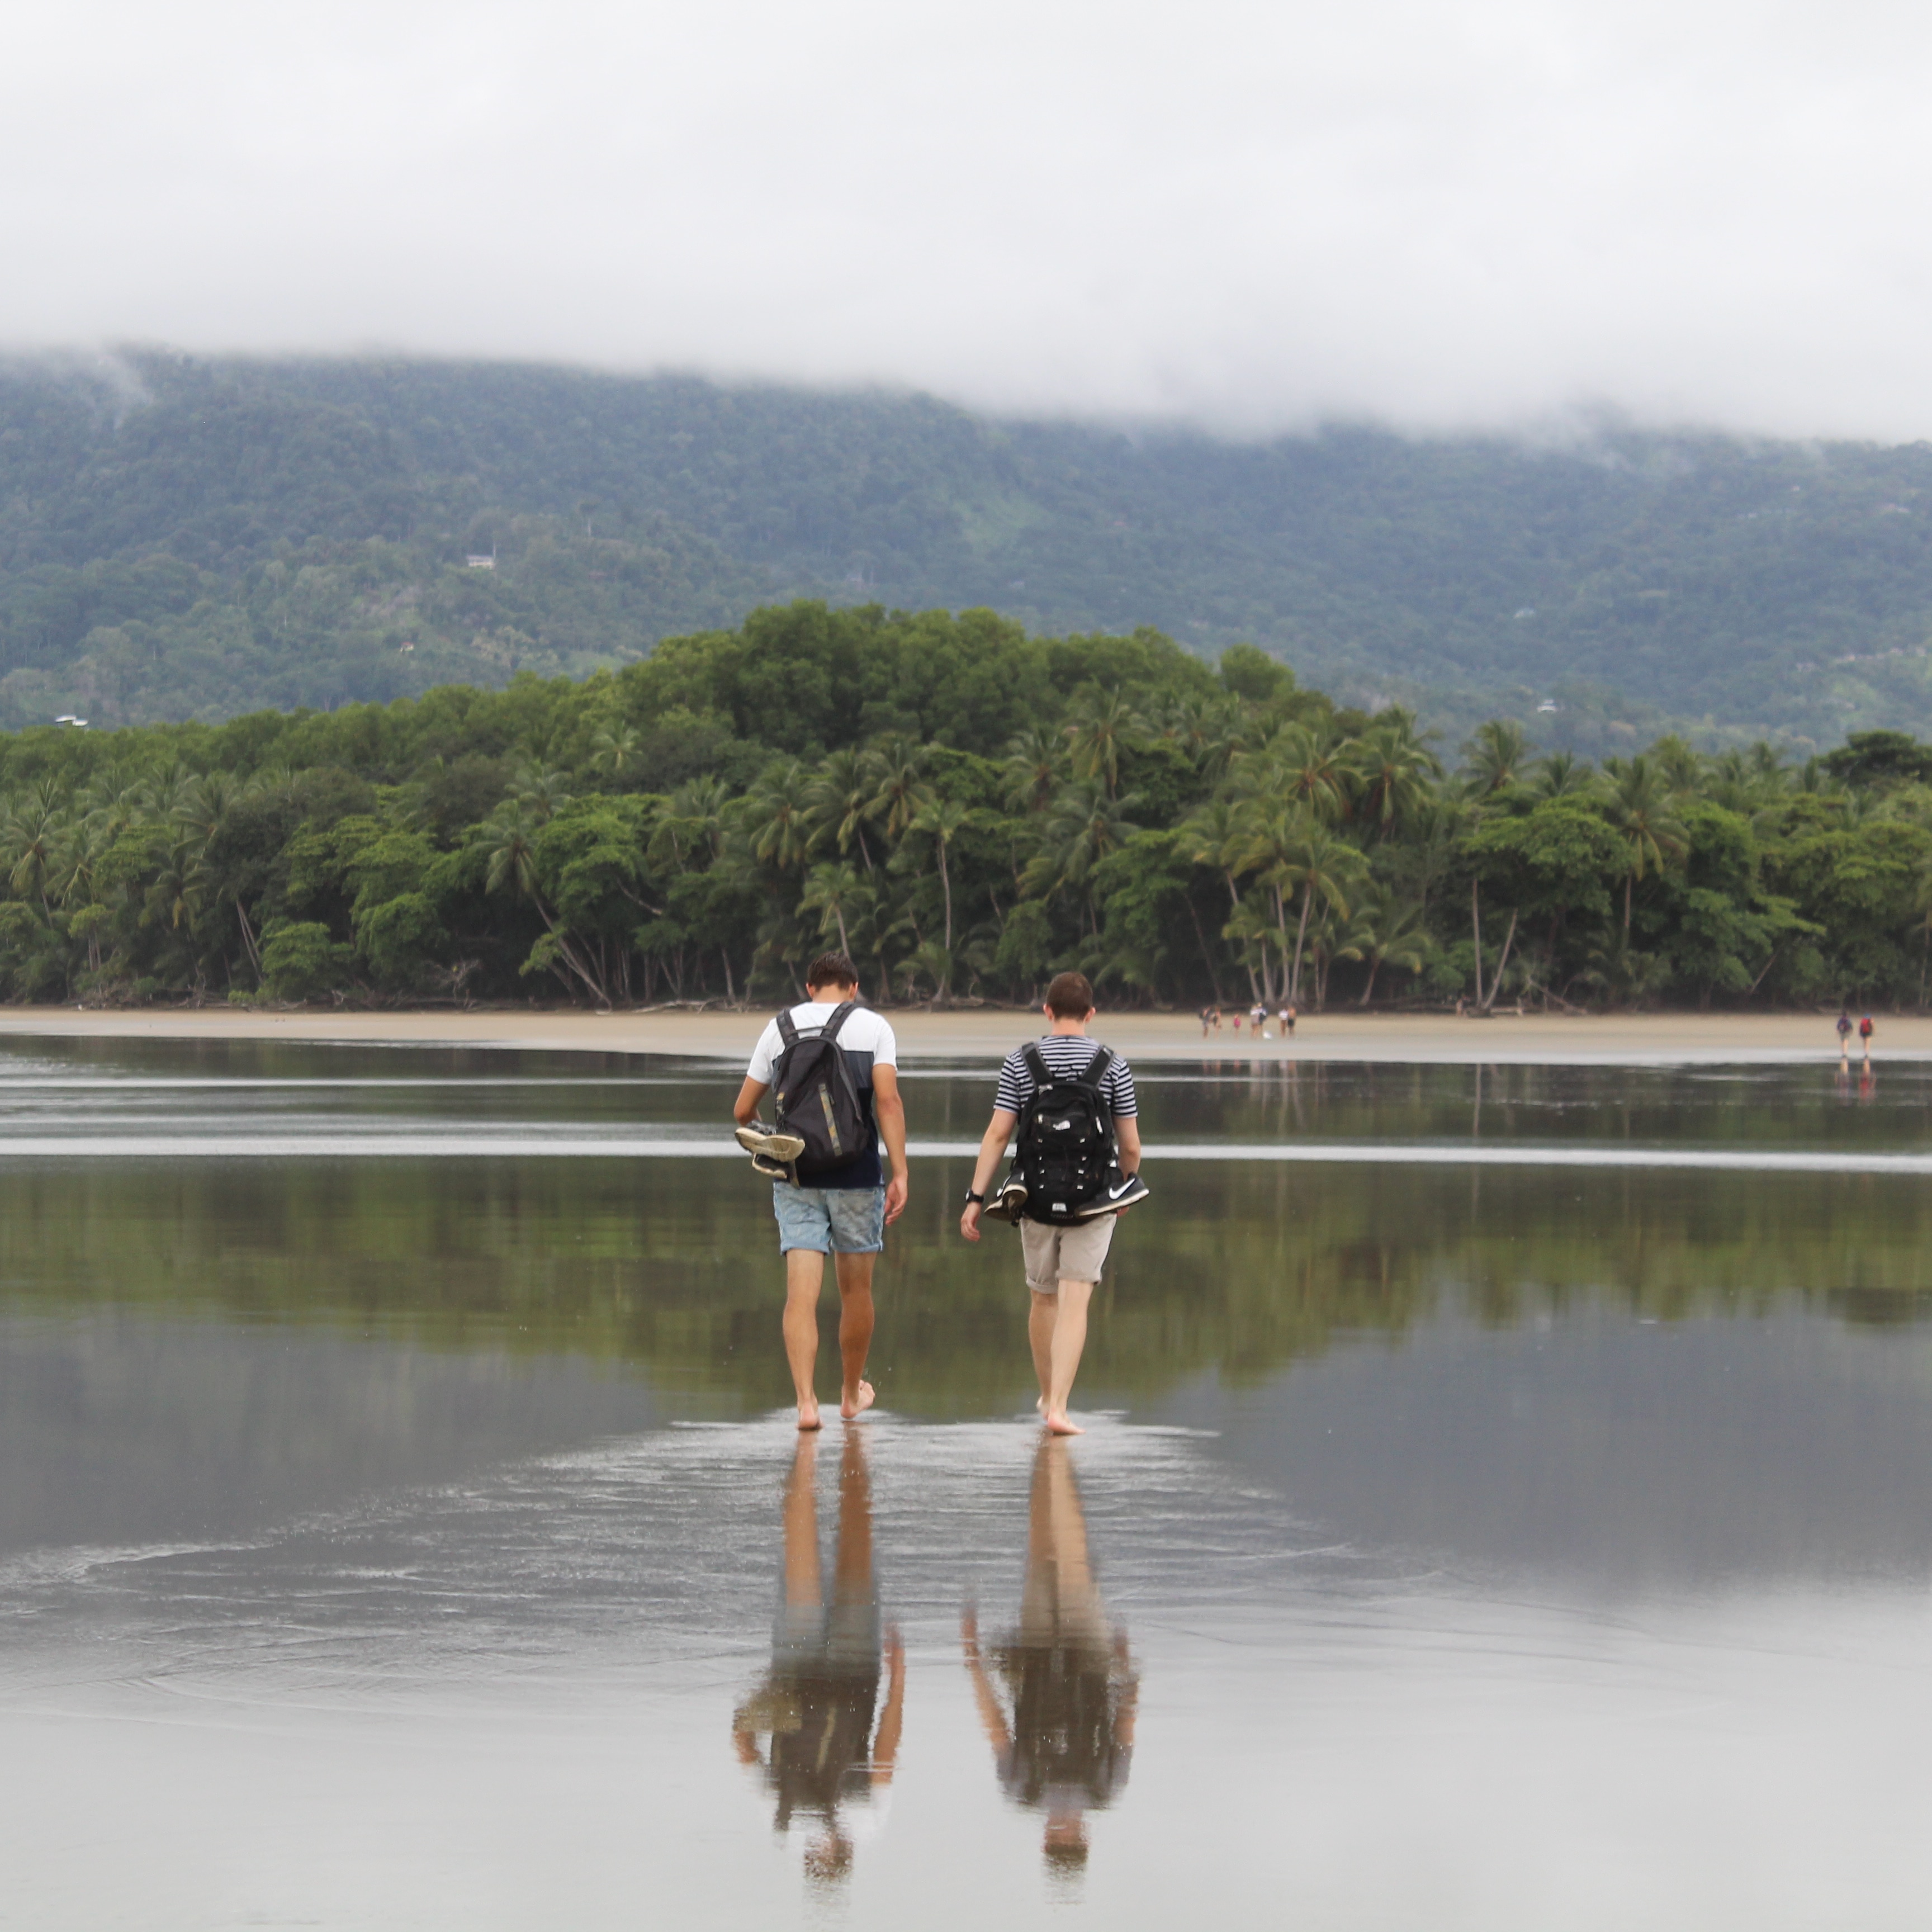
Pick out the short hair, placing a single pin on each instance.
(1070, 997)
(831, 969)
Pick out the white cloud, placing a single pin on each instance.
(1253, 214)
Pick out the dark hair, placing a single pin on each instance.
(831, 969)
(1070, 997)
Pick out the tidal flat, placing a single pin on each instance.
(1505, 1504)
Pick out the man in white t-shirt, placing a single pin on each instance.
(843, 1212)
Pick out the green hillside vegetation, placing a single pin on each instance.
(194, 539)
(966, 809)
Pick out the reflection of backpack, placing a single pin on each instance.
(1066, 1137)
(814, 1096)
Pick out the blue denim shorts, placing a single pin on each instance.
(833, 1220)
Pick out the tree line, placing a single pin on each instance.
(965, 808)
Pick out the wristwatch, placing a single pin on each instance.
(973, 1199)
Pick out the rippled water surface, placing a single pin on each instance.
(1506, 1503)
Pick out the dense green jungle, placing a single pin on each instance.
(964, 808)
(192, 539)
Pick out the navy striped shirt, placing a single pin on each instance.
(1066, 1054)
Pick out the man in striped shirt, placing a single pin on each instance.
(1063, 1264)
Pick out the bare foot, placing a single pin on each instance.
(808, 1416)
(1057, 1424)
(857, 1405)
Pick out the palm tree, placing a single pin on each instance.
(509, 841)
(1393, 769)
(1036, 764)
(928, 962)
(1292, 851)
(1640, 809)
(693, 820)
(1304, 765)
(1258, 941)
(1386, 937)
(832, 891)
(30, 837)
(1562, 775)
(942, 821)
(841, 795)
(1679, 767)
(1201, 727)
(509, 837)
(779, 811)
(1083, 825)
(1496, 756)
(615, 749)
(544, 793)
(1213, 832)
(1102, 724)
(899, 792)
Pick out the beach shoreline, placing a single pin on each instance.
(981, 1035)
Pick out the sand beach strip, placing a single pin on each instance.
(978, 1035)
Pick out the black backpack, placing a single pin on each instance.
(1066, 1146)
(814, 1095)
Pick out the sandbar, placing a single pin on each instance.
(977, 1035)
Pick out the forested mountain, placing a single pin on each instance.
(183, 537)
(964, 808)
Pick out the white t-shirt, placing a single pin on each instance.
(864, 1033)
(867, 1041)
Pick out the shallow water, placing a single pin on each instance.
(393, 1515)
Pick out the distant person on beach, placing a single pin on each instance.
(1259, 1014)
(1206, 1020)
(1288, 1021)
(841, 1061)
(1064, 1242)
(815, 1706)
(1864, 1036)
(1063, 1735)
(1238, 1026)
(1844, 1032)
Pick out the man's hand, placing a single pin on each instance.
(895, 1197)
(969, 1222)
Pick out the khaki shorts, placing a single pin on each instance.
(1055, 1255)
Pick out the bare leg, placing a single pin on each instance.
(1039, 1332)
(1069, 1338)
(852, 1574)
(802, 1584)
(855, 1331)
(805, 1274)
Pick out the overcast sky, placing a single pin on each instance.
(1254, 215)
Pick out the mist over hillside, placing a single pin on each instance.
(184, 538)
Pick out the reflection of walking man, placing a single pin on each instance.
(1844, 1033)
(816, 1706)
(1063, 1738)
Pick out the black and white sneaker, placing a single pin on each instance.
(1122, 1190)
(774, 1170)
(758, 1138)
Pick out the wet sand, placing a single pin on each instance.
(979, 1033)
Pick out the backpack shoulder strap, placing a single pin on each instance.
(1035, 1065)
(788, 1032)
(840, 1016)
(1097, 1067)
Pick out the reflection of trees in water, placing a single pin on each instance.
(1059, 1702)
(672, 1265)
